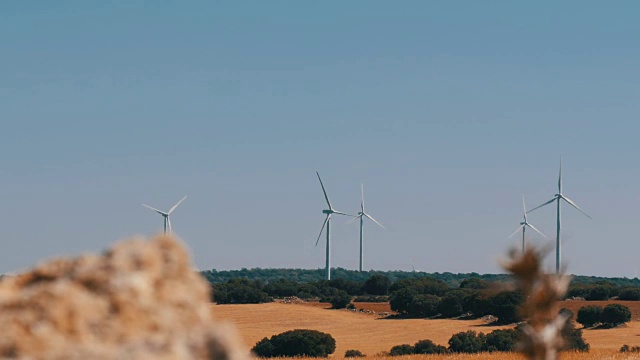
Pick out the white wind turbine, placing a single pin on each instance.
(361, 216)
(525, 224)
(327, 223)
(558, 197)
(165, 215)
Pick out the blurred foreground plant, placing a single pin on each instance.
(542, 334)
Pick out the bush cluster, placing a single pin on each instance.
(353, 353)
(240, 291)
(421, 347)
(292, 343)
(429, 297)
(609, 316)
(464, 342)
(626, 348)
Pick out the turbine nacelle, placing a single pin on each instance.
(165, 215)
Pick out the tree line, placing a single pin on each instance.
(451, 279)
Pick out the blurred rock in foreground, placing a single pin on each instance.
(139, 300)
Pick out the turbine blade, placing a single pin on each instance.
(524, 208)
(169, 225)
(341, 213)
(374, 220)
(515, 232)
(322, 229)
(547, 203)
(324, 191)
(574, 205)
(176, 205)
(353, 219)
(154, 209)
(362, 201)
(538, 231)
(560, 177)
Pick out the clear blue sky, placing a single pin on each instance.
(447, 111)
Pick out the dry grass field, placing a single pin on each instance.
(373, 335)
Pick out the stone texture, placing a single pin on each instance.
(139, 300)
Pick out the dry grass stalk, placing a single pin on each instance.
(542, 338)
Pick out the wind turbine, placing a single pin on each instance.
(327, 223)
(558, 197)
(165, 215)
(525, 224)
(361, 216)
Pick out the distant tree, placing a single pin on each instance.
(615, 314)
(240, 291)
(340, 300)
(505, 306)
(428, 347)
(309, 343)
(598, 293)
(400, 300)
(282, 288)
(579, 291)
(451, 304)
(351, 287)
(424, 285)
(589, 316)
(475, 283)
(377, 285)
(353, 353)
(399, 350)
(630, 294)
(466, 342)
(424, 305)
(477, 303)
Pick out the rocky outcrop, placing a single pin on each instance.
(139, 300)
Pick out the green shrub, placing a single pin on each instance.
(291, 343)
(630, 294)
(615, 314)
(377, 285)
(501, 340)
(340, 300)
(424, 305)
(353, 353)
(428, 347)
(589, 316)
(466, 342)
(399, 350)
(451, 304)
(401, 299)
(598, 293)
(505, 305)
(626, 348)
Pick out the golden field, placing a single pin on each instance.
(373, 335)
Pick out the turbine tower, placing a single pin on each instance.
(558, 198)
(361, 216)
(525, 224)
(165, 215)
(327, 223)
